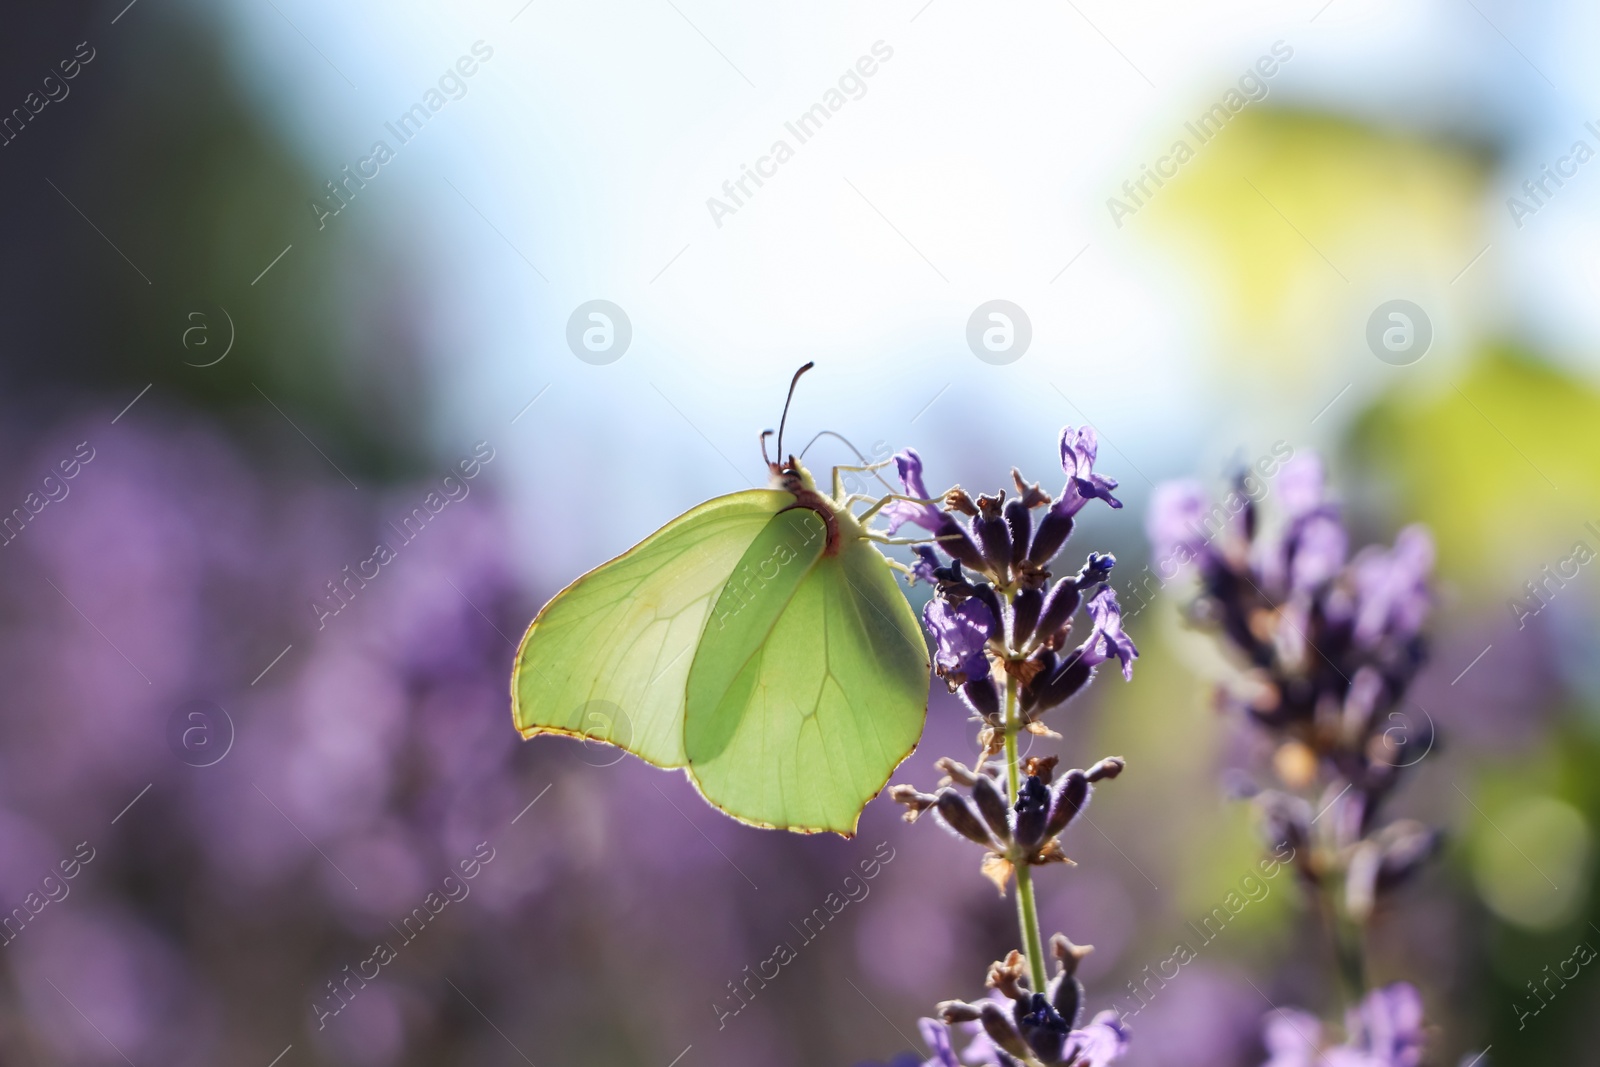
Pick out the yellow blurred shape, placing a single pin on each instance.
(1531, 862)
(1298, 220)
(1503, 464)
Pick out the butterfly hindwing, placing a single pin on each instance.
(609, 656)
(813, 689)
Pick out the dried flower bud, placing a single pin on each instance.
(958, 499)
(957, 1011)
(1029, 492)
(916, 802)
(1070, 796)
(1009, 976)
(1107, 768)
(958, 815)
(1068, 955)
(1033, 811)
(992, 806)
(1042, 767)
(955, 771)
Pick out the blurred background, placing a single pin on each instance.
(243, 345)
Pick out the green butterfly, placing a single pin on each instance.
(758, 641)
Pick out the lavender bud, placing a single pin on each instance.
(1107, 768)
(1019, 521)
(1063, 685)
(1001, 1030)
(1413, 845)
(1042, 1027)
(1033, 811)
(1066, 995)
(1069, 797)
(1057, 611)
(982, 696)
(992, 806)
(956, 544)
(994, 536)
(1025, 615)
(958, 815)
(1054, 529)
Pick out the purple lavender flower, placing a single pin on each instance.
(1107, 639)
(1078, 450)
(924, 565)
(1391, 587)
(1175, 523)
(1318, 552)
(1103, 1041)
(936, 1035)
(1384, 1030)
(899, 512)
(960, 633)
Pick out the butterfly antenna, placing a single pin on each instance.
(764, 435)
(792, 383)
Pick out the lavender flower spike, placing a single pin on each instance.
(1107, 639)
(960, 634)
(899, 512)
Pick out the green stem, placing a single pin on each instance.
(1027, 911)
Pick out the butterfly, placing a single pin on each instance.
(758, 641)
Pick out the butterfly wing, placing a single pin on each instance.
(809, 685)
(608, 657)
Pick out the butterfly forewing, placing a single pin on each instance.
(609, 656)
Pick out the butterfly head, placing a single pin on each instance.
(790, 477)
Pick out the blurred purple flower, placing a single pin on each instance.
(936, 1035)
(960, 634)
(1175, 523)
(1391, 587)
(1384, 1030)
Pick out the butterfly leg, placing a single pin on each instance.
(882, 501)
(870, 468)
